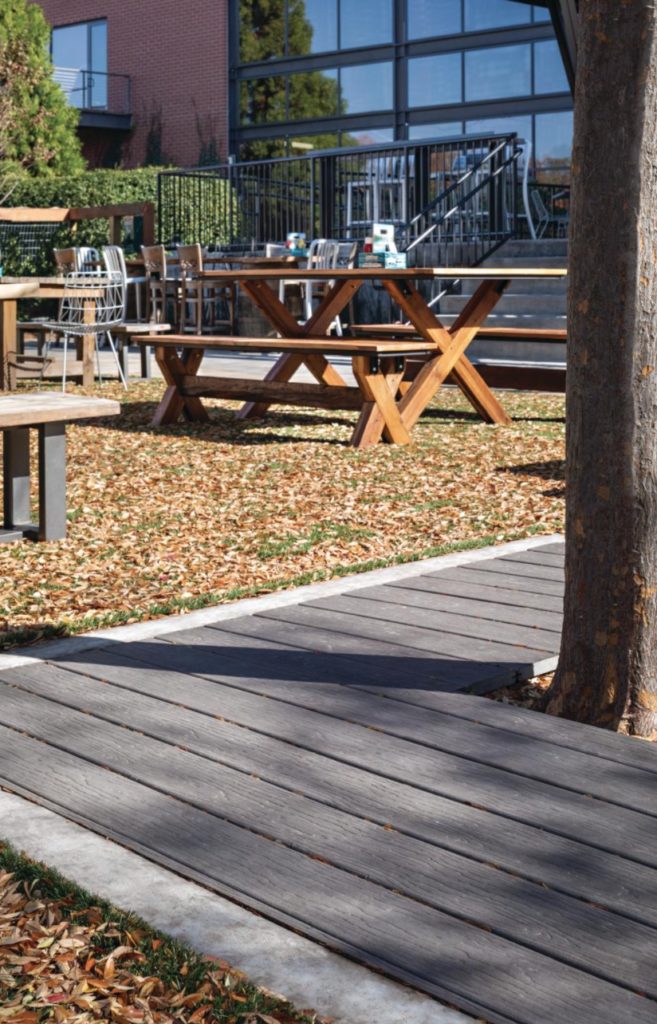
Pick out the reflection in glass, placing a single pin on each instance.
(433, 18)
(262, 30)
(483, 14)
(366, 87)
(263, 100)
(366, 137)
(434, 80)
(436, 130)
(501, 126)
(549, 74)
(313, 94)
(98, 64)
(541, 13)
(554, 137)
(312, 26)
(498, 71)
(300, 145)
(365, 22)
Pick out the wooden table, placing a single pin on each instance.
(17, 288)
(445, 354)
(48, 413)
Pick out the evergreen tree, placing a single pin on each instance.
(37, 126)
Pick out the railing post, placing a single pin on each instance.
(327, 196)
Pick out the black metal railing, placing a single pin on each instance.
(455, 194)
(92, 91)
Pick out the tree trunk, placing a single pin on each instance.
(607, 672)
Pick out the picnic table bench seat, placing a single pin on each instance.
(48, 413)
(515, 374)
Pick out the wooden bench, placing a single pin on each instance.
(48, 413)
(377, 365)
(498, 373)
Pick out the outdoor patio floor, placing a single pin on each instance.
(327, 765)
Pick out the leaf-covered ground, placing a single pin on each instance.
(189, 515)
(68, 958)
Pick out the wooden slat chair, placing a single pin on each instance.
(163, 287)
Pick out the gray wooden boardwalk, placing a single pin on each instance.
(324, 764)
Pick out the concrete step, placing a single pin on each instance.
(529, 287)
(534, 304)
(549, 262)
(529, 320)
(518, 351)
(539, 247)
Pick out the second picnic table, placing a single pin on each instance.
(389, 406)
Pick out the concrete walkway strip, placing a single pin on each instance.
(277, 959)
(252, 606)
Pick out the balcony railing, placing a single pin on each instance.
(96, 91)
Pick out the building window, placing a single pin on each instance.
(79, 54)
(554, 139)
(549, 74)
(435, 80)
(433, 18)
(312, 26)
(436, 130)
(498, 72)
(366, 87)
(486, 14)
(365, 23)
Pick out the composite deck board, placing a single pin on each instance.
(568, 866)
(511, 907)
(417, 638)
(492, 786)
(464, 589)
(324, 764)
(490, 611)
(460, 624)
(496, 977)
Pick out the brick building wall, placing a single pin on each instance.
(176, 54)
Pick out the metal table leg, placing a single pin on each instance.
(52, 481)
(16, 484)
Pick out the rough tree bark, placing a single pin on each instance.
(607, 672)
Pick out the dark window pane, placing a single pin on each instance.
(366, 137)
(365, 22)
(554, 135)
(549, 74)
(433, 18)
(435, 80)
(262, 100)
(498, 71)
(312, 26)
(437, 130)
(366, 87)
(483, 14)
(262, 30)
(313, 94)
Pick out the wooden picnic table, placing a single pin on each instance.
(12, 289)
(390, 410)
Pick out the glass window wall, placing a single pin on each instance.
(487, 14)
(312, 26)
(549, 73)
(365, 23)
(498, 71)
(366, 87)
(436, 130)
(79, 53)
(554, 136)
(433, 18)
(435, 80)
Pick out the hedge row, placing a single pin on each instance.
(205, 211)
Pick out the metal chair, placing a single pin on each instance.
(322, 255)
(81, 313)
(114, 260)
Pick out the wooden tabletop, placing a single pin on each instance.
(382, 273)
(11, 289)
(48, 407)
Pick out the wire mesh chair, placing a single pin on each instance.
(114, 260)
(90, 305)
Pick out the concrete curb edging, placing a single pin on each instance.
(271, 956)
(250, 606)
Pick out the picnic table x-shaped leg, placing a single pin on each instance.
(451, 344)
